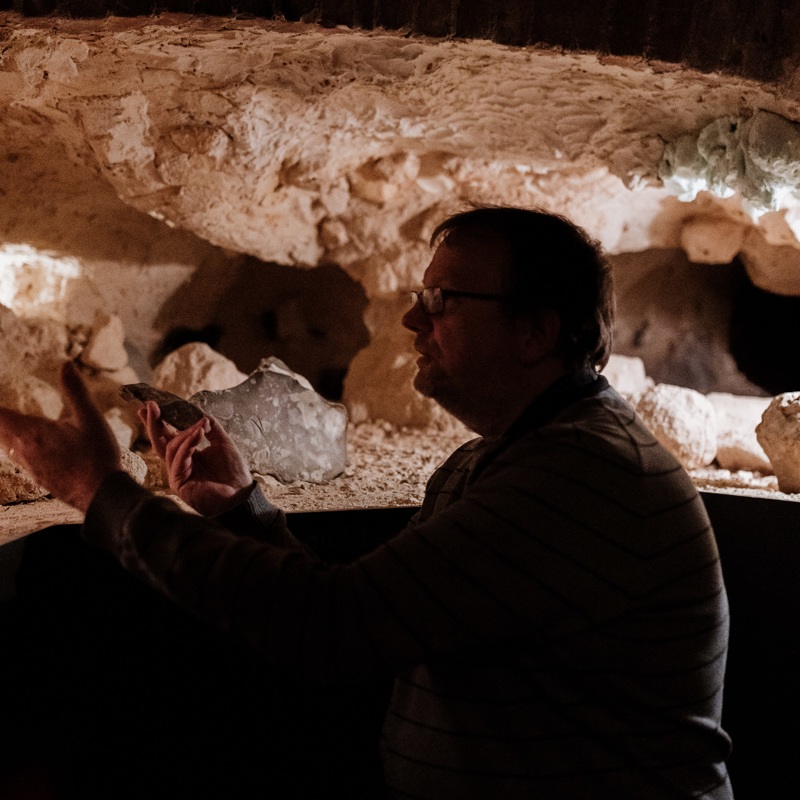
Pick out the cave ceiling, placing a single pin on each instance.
(340, 133)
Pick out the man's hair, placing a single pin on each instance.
(554, 265)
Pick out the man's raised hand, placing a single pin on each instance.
(71, 456)
(204, 467)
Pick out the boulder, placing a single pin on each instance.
(627, 375)
(281, 425)
(31, 395)
(779, 434)
(194, 368)
(683, 420)
(737, 444)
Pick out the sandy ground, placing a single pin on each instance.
(388, 467)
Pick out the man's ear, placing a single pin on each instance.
(541, 335)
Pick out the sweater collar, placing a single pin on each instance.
(574, 386)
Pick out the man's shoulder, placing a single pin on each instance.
(603, 429)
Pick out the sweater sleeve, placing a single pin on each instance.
(535, 548)
(259, 518)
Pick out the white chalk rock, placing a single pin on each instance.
(779, 435)
(31, 395)
(105, 349)
(683, 420)
(627, 375)
(31, 345)
(737, 443)
(194, 368)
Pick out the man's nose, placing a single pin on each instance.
(415, 319)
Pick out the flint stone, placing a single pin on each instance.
(281, 425)
(179, 413)
(779, 435)
(683, 420)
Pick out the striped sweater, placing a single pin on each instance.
(555, 614)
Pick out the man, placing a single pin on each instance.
(555, 614)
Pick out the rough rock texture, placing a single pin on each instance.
(16, 486)
(194, 368)
(683, 420)
(281, 425)
(135, 151)
(779, 434)
(676, 317)
(134, 465)
(737, 443)
(31, 395)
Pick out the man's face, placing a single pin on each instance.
(469, 351)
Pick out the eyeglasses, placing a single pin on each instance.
(431, 299)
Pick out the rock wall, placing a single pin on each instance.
(142, 157)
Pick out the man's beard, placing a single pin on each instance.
(439, 388)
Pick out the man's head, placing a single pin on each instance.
(551, 265)
(513, 300)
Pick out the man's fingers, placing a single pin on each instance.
(180, 451)
(150, 414)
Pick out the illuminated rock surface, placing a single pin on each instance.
(779, 435)
(195, 367)
(281, 425)
(737, 419)
(683, 420)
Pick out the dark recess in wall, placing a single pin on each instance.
(743, 37)
(765, 338)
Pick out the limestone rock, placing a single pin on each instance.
(194, 368)
(779, 435)
(683, 420)
(31, 345)
(627, 375)
(281, 425)
(737, 443)
(134, 465)
(105, 349)
(712, 241)
(15, 485)
(31, 395)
